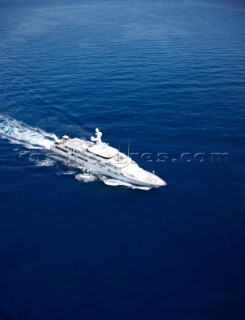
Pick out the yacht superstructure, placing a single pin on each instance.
(98, 156)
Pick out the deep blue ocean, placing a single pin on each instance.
(169, 76)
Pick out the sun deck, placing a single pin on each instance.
(76, 144)
(103, 151)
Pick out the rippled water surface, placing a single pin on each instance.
(169, 75)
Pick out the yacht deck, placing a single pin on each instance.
(77, 144)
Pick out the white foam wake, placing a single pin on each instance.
(33, 138)
(19, 133)
(86, 177)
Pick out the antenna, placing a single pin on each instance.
(119, 151)
(128, 145)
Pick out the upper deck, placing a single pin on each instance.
(103, 151)
(76, 144)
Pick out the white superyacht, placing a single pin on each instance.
(98, 156)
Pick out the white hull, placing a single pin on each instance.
(103, 160)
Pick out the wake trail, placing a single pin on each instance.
(19, 133)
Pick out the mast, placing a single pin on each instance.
(128, 145)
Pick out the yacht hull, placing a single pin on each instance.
(95, 167)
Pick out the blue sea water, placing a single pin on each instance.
(171, 76)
